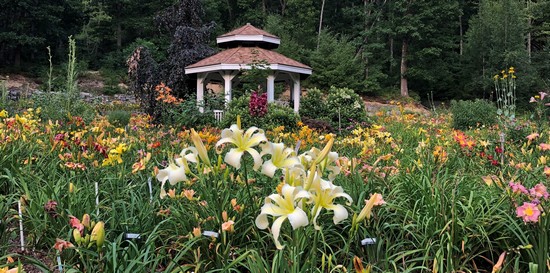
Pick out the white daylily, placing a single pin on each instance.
(190, 154)
(295, 175)
(174, 173)
(245, 141)
(283, 206)
(323, 194)
(281, 157)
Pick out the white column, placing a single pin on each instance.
(200, 91)
(270, 88)
(228, 78)
(296, 91)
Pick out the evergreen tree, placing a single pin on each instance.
(27, 27)
(495, 41)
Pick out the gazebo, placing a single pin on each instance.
(243, 47)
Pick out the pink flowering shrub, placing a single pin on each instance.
(258, 104)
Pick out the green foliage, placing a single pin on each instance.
(335, 64)
(495, 39)
(472, 114)
(342, 108)
(6, 201)
(49, 104)
(186, 115)
(119, 118)
(313, 104)
(346, 108)
(276, 115)
(255, 76)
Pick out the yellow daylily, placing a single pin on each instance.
(244, 142)
(199, 145)
(283, 206)
(323, 194)
(281, 157)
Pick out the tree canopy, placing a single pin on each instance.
(450, 48)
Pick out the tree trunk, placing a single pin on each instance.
(230, 11)
(461, 34)
(118, 36)
(404, 86)
(320, 23)
(391, 55)
(529, 23)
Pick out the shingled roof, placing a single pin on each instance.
(247, 55)
(248, 29)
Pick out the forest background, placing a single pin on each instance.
(450, 49)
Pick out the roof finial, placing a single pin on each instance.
(248, 24)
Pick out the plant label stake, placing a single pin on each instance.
(21, 226)
(150, 190)
(502, 135)
(59, 265)
(97, 197)
(208, 233)
(368, 241)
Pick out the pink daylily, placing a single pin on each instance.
(529, 212)
(518, 188)
(539, 191)
(544, 146)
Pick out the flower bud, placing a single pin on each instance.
(98, 234)
(77, 237)
(71, 187)
(86, 220)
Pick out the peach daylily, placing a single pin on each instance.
(228, 226)
(532, 136)
(498, 266)
(544, 146)
(374, 200)
(62, 244)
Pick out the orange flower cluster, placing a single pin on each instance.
(463, 140)
(164, 94)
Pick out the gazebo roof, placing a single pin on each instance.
(241, 58)
(248, 34)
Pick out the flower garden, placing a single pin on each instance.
(406, 194)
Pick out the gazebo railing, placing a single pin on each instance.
(218, 115)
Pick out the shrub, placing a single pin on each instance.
(342, 108)
(186, 114)
(320, 125)
(50, 103)
(470, 114)
(345, 108)
(313, 105)
(119, 118)
(276, 115)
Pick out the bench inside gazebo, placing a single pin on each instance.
(243, 47)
